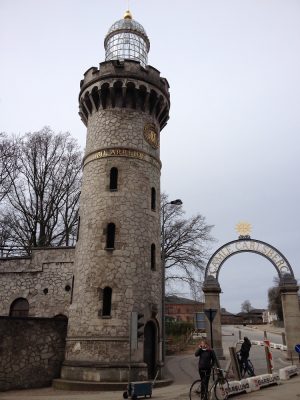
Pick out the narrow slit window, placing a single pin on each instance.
(153, 199)
(106, 309)
(78, 227)
(110, 236)
(113, 181)
(72, 289)
(153, 256)
(19, 308)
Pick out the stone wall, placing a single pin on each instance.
(31, 351)
(126, 268)
(44, 279)
(121, 105)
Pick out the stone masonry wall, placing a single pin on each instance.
(126, 269)
(44, 279)
(31, 351)
(121, 128)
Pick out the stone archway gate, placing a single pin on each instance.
(288, 287)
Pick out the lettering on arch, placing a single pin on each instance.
(247, 245)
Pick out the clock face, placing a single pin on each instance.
(151, 135)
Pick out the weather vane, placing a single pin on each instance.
(244, 229)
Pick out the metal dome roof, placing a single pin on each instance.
(127, 39)
(127, 24)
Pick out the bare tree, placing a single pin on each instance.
(8, 163)
(6, 245)
(246, 306)
(274, 297)
(186, 244)
(196, 288)
(41, 208)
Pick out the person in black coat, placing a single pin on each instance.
(207, 359)
(244, 352)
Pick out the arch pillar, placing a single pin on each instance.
(291, 313)
(212, 290)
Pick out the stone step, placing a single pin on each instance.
(64, 384)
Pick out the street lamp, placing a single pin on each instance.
(176, 202)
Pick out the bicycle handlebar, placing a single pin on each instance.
(219, 369)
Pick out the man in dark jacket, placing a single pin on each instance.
(244, 352)
(207, 359)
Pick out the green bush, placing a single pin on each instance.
(178, 328)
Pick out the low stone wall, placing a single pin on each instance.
(44, 279)
(31, 351)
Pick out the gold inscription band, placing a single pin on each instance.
(122, 152)
(251, 246)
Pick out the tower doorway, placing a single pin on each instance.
(150, 348)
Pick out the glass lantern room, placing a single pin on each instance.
(127, 39)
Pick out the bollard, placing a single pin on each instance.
(269, 357)
(283, 338)
(265, 335)
(240, 335)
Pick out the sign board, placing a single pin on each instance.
(200, 320)
(210, 314)
(297, 348)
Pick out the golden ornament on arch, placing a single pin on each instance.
(243, 228)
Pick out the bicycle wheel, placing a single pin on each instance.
(250, 369)
(195, 390)
(243, 369)
(221, 389)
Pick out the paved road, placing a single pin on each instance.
(252, 333)
(290, 390)
(183, 368)
(257, 354)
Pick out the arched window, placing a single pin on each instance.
(106, 308)
(113, 181)
(153, 261)
(110, 236)
(19, 308)
(153, 199)
(61, 317)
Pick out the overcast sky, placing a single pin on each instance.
(231, 148)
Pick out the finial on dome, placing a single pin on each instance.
(127, 15)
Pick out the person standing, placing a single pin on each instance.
(207, 359)
(244, 353)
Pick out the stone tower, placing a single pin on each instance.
(124, 104)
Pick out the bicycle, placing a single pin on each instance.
(245, 369)
(220, 387)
